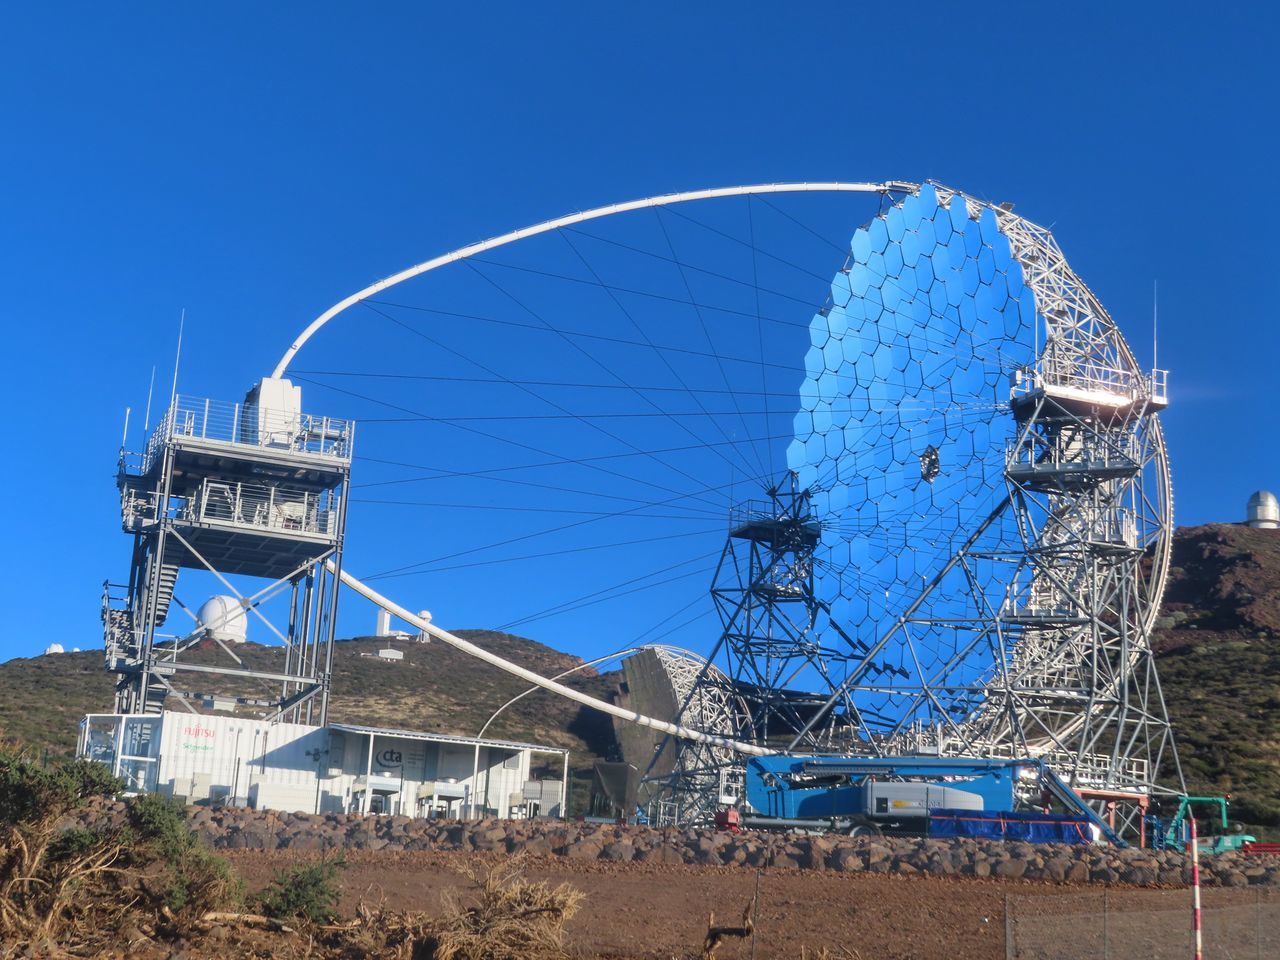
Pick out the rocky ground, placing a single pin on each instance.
(244, 829)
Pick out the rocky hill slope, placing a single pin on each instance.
(1219, 663)
(1217, 641)
(434, 688)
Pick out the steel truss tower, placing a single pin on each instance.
(779, 660)
(256, 489)
(777, 636)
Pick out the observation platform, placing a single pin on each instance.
(1082, 389)
(763, 521)
(1038, 464)
(213, 437)
(248, 528)
(242, 487)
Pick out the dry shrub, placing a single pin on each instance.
(379, 932)
(67, 888)
(54, 881)
(513, 918)
(502, 917)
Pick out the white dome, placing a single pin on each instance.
(223, 618)
(54, 648)
(1263, 510)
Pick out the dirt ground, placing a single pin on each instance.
(658, 912)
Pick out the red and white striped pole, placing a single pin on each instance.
(1195, 888)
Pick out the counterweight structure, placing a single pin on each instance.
(254, 489)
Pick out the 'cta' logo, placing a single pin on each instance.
(389, 758)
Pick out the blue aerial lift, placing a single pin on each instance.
(942, 796)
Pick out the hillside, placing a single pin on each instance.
(1219, 660)
(435, 688)
(1217, 643)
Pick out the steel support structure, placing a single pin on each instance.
(239, 491)
(779, 654)
(1063, 630)
(1089, 487)
(1069, 672)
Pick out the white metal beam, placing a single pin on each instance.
(538, 680)
(462, 253)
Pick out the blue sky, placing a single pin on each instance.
(255, 164)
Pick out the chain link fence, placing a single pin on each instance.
(1237, 924)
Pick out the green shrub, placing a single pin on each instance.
(307, 893)
(195, 878)
(30, 793)
(77, 842)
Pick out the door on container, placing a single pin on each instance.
(98, 742)
(140, 754)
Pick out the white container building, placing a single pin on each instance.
(341, 768)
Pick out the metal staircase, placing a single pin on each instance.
(168, 577)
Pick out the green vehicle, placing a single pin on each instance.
(1175, 833)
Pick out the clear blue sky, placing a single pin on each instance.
(255, 164)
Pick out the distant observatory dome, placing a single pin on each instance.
(1264, 510)
(54, 648)
(223, 618)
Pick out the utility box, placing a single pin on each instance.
(286, 797)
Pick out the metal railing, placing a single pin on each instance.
(259, 506)
(753, 511)
(1035, 453)
(137, 508)
(245, 505)
(118, 634)
(1091, 771)
(1091, 376)
(250, 425)
(766, 512)
(1158, 386)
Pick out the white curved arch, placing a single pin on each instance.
(462, 253)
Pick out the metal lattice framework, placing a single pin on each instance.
(230, 490)
(1088, 482)
(984, 459)
(687, 780)
(775, 629)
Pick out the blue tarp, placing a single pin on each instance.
(1033, 827)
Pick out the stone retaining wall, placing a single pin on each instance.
(239, 828)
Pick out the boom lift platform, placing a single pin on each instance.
(871, 795)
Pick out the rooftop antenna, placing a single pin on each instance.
(146, 420)
(182, 321)
(1155, 325)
